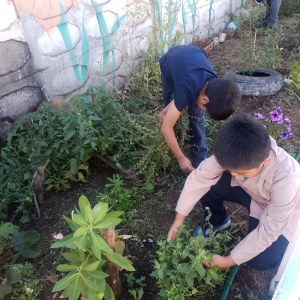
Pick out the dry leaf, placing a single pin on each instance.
(124, 236)
(58, 236)
(52, 279)
(54, 295)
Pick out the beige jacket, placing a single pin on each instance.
(275, 199)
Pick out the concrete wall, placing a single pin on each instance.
(51, 48)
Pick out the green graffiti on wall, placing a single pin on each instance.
(80, 71)
(108, 48)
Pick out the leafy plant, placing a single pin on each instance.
(294, 80)
(26, 243)
(6, 230)
(278, 127)
(18, 283)
(63, 140)
(178, 267)
(15, 190)
(136, 286)
(88, 253)
(264, 52)
(120, 198)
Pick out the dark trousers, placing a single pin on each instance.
(198, 144)
(223, 191)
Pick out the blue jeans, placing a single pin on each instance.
(268, 259)
(198, 145)
(271, 17)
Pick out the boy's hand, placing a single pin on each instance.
(220, 261)
(185, 165)
(179, 220)
(172, 233)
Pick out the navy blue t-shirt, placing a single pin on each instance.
(185, 69)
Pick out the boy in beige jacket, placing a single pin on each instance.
(250, 169)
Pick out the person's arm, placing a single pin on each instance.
(196, 186)
(179, 220)
(169, 117)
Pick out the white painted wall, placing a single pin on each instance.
(71, 45)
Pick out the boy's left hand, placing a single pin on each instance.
(220, 261)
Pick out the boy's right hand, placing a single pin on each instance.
(172, 233)
(185, 164)
(179, 220)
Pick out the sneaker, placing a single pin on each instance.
(215, 229)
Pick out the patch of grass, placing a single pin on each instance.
(289, 7)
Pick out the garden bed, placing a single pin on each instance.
(155, 213)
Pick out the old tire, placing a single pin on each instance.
(262, 82)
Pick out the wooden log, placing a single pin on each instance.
(112, 268)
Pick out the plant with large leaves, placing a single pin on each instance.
(88, 253)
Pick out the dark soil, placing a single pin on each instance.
(155, 214)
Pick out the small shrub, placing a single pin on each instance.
(6, 230)
(88, 253)
(120, 198)
(178, 267)
(294, 80)
(289, 7)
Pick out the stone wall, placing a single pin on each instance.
(51, 48)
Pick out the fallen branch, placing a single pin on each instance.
(124, 171)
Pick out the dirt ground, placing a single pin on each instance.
(155, 214)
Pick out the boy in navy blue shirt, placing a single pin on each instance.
(188, 80)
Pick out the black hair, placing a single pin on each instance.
(224, 97)
(242, 143)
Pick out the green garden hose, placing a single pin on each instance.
(228, 282)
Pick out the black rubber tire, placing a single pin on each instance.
(265, 82)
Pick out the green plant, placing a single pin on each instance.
(248, 24)
(294, 80)
(88, 253)
(289, 7)
(26, 243)
(119, 197)
(178, 268)
(63, 140)
(15, 190)
(268, 53)
(136, 286)
(19, 284)
(149, 188)
(6, 230)
(264, 52)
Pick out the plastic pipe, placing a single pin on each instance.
(228, 282)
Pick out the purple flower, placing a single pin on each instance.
(287, 122)
(259, 116)
(285, 135)
(276, 115)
